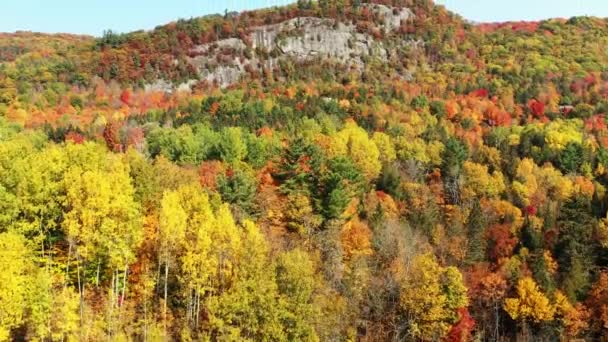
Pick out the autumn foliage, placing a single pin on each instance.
(452, 190)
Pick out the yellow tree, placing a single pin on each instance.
(300, 215)
(209, 248)
(16, 154)
(172, 227)
(533, 183)
(354, 142)
(430, 297)
(296, 281)
(574, 318)
(385, 147)
(52, 308)
(15, 261)
(40, 191)
(477, 181)
(205, 242)
(102, 218)
(249, 307)
(529, 305)
(102, 221)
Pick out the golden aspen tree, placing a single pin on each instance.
(296, 281)
(477, 181)
(102, 221)
(354, 142)
(385, 147)
(15, 260)
(530, 304)
(250, 308)
(172, 227)
(430, 297)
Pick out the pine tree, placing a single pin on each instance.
(296, 167)
(575, 248)
(476, 227)
(453, 157)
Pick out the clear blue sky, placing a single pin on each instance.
(515, 10)
(94, 16)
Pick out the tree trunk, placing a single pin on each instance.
(97, 275)
(84, 279)
(124, 285)
(525, 331)
(496, 321)
(80, 292)
(112, 301)
(67, 266)
(191, 307)
(165, 303)
(146, 320)
(115, 289)
(198, 307)
(160, 261)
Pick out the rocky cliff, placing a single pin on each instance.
(297, 40)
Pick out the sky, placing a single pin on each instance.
(94, 16)
(516, 10)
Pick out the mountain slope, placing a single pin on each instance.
(324, 171)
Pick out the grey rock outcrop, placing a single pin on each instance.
(391, 16)
(307, 37)
(299, 39)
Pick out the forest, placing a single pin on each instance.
(311, 200)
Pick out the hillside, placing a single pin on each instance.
(324, 171)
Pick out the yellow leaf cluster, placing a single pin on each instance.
(530, 303)
(559, 133)
(385, 147)
(479, 182)
(356, 239)
(353, 141)
(507, 212)
(537, 182)
(430, 296)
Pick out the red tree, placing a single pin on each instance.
(135, 138)
(480, 93)
(111, 137)
(462, 330)
(537, 108)
(502, 240)
(125, 97)
(74, 137)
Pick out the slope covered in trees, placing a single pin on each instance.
(452, 187)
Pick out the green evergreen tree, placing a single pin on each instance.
(476, 227)
(575, 248)
(571, 158)
(238, 187)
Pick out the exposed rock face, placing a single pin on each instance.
(316, 37)
(392, 16)
(160, 85)
(299, 39)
